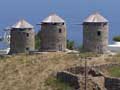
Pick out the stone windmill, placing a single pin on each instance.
(95, 33)
(53, 34)
(22, 37)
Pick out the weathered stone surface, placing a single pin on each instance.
(78, 81)
(69, 78)
(53, 37)
(76, 76)
(96, 80)
(112, 83)
(95, 37)
(22, 40)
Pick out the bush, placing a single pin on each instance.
(114, 71)
(116, 38)
(57, 84)
(37, 40)
(70, 44)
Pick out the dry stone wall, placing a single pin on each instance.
(69, 78)
(75, 75)
(112, 83)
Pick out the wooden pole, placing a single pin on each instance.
(85, 74)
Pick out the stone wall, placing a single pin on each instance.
(112, 83)
(53, 37)
(95, 78)
(22, 40)
(81, 69)
(69, 78)
(78, 81)
(95, 37)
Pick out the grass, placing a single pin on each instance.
(32, 72)
(114, 71)
(57, 84)
(29, 72)
(88, 54)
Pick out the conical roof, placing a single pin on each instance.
(22, 24)
(53, 18)
(95, 18)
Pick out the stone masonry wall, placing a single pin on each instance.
(95, 37)
(53, 37)
(22, 40)
(112, 83)
(78, 81)
(69, 78)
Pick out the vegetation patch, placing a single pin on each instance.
(37, 40)
(114, 71)
(88, 54)
(70, 44)
(116, 38)
(57, 84)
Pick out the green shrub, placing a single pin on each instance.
(70, 44)
(114, 71)
(57, 84)
(37, 40)
(116, 38)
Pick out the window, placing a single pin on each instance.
(29, 29)
(54, 23)
(27, 34)
(60, 30)
(21, 29)
(99, 33)
(27, 48)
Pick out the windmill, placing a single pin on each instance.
(5, 39)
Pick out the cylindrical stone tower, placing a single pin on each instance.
(53, 34)
(22, 37)
(95, 34)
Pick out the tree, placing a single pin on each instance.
(37, 40)
(70, 44)
(116, 38)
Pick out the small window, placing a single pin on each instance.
(29, 29)
(54, 23)
(60, 30)
(27, 34)
(21, 29)
(99, 33)
(27, 48)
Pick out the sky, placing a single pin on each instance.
(72, 11)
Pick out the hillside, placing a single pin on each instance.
(35, 72)
(29, 72)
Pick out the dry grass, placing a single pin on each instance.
(25, 72)
(29, 72)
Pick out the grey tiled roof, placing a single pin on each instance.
(22, 24)
(95, 17)
(53, 18)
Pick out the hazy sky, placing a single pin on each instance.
(73, 11)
